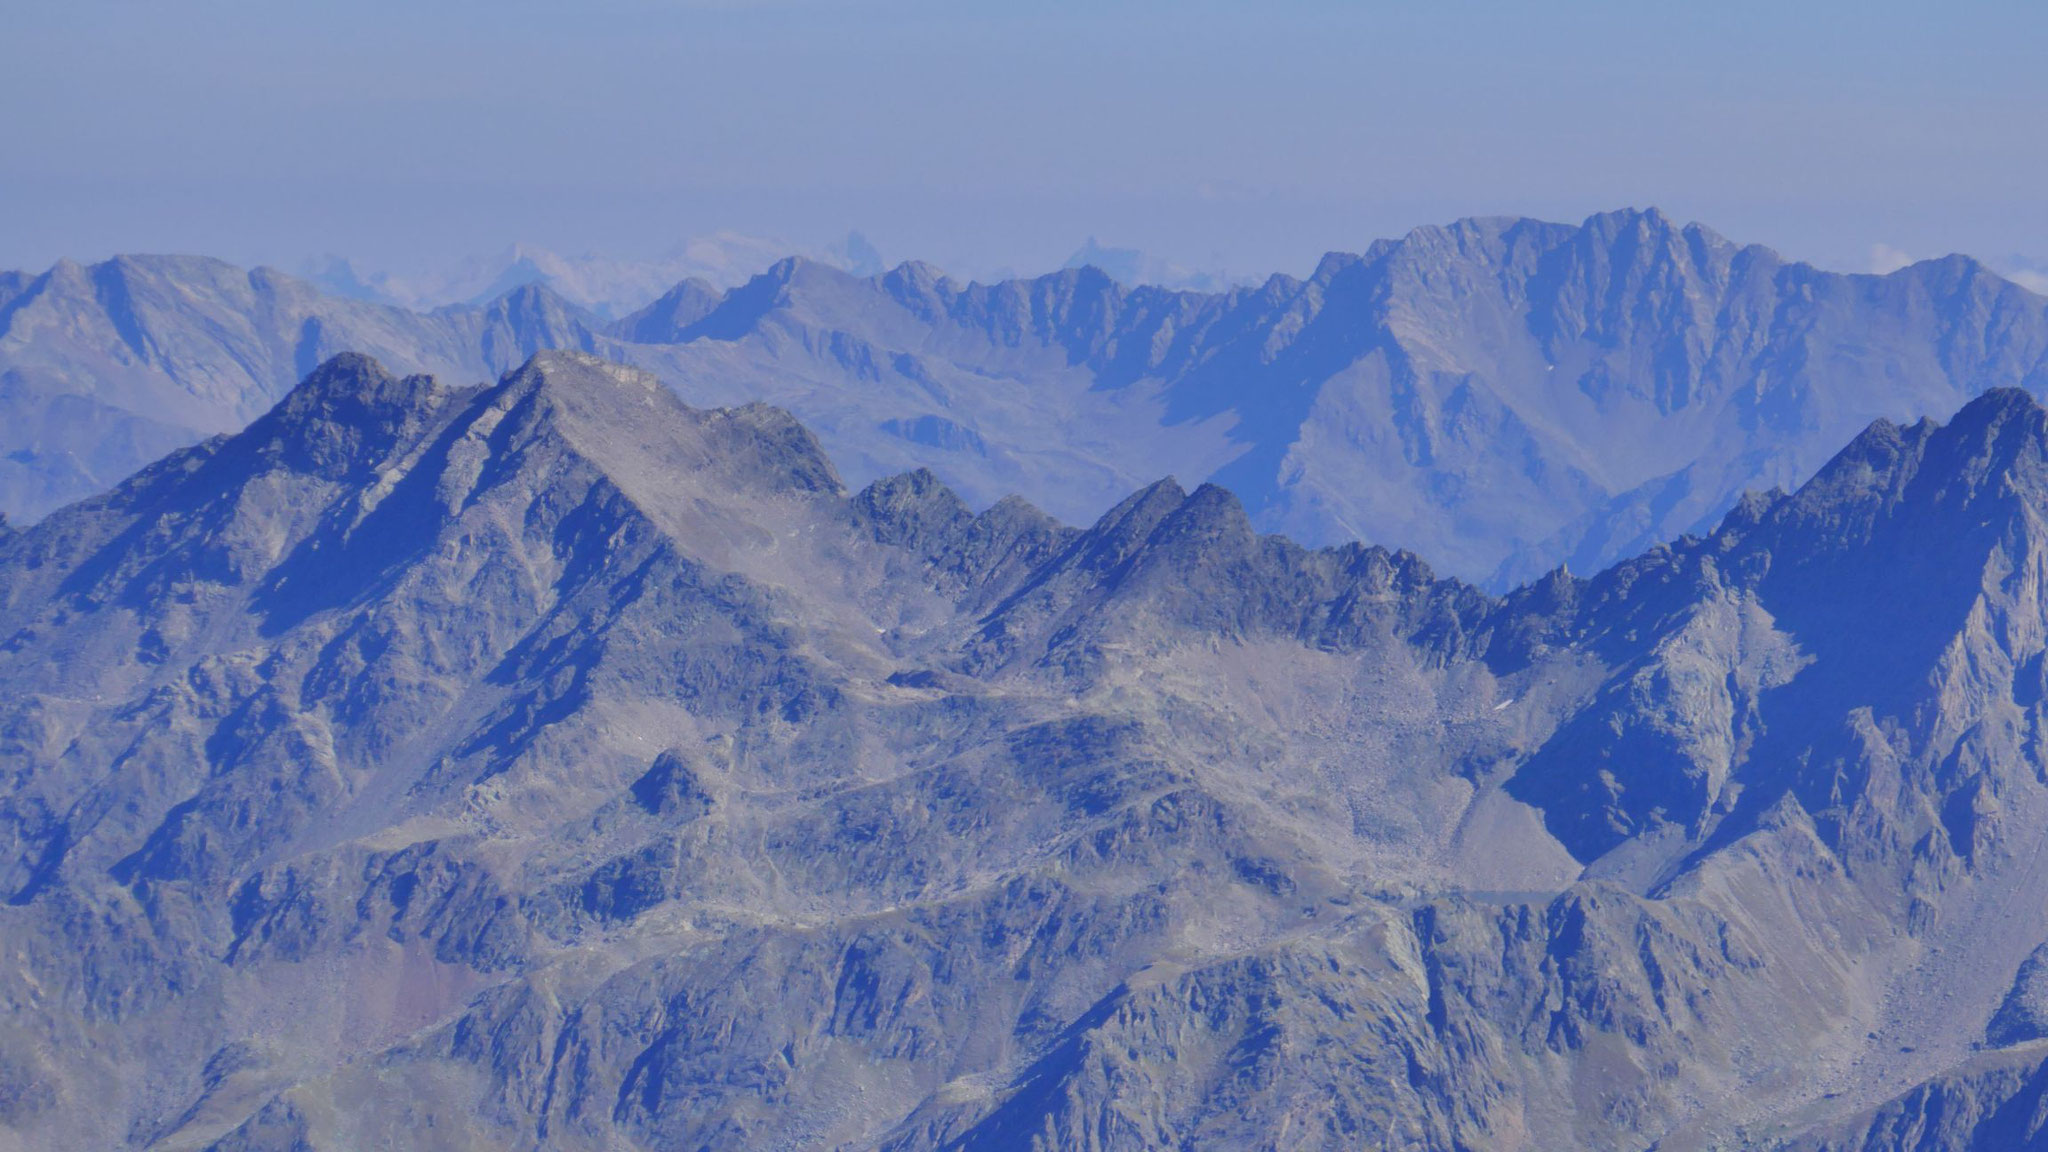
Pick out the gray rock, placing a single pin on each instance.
(2024, 1015)
(552, 764)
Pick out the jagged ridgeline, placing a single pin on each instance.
(554, 765)
(1498, 395)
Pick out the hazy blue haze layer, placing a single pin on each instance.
(991, 138)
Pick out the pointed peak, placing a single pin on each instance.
(1750, 510)
(1999, 404)
(638, 430)
(914, 484)
(1015, 507)
(1704, 235)
(910, 507)
(1213, 499)
(532, 296)
(771, 285)
(1123, 529)
(1995, 430)
(1334, 264)
(1093, 275)
(1412, 568)
(1940, 475)
(1162, 494)
(914, 280)
(531, 290)
(793, 270)
(918, 270)
(345, 415)
(1952, 273)
(735, 313)
(918, 482)
(669, 319)
(1209, 512)
(349, 376)
(689, 288)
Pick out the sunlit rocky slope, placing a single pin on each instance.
(554, 765)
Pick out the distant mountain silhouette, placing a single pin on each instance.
(1504, 396)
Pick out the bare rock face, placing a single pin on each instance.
(1999, 1100)
(552, 764)
(1500, 395)
(2023, 1017)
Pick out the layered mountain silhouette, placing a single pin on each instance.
(554, 764)
(605, 286)
(1503, 396)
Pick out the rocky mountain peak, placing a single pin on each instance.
(914, 278)
(562, 763)
(912, 508)
(638, 432)
(670, 319)
(1129, 525)
(345, 417)
(1984, 462)
(1895, 592)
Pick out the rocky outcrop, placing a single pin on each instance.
(553, 764)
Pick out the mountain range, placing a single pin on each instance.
(606, 287)
(553, 764)
(613, 287)
(1502, 395)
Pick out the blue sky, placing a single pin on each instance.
(1250, 137)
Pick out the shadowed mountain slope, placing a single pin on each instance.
(1501, 395)
(552, 764)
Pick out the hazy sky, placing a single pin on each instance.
(1245, 136)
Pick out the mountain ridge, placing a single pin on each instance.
(1501, 394)
(554, 763)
